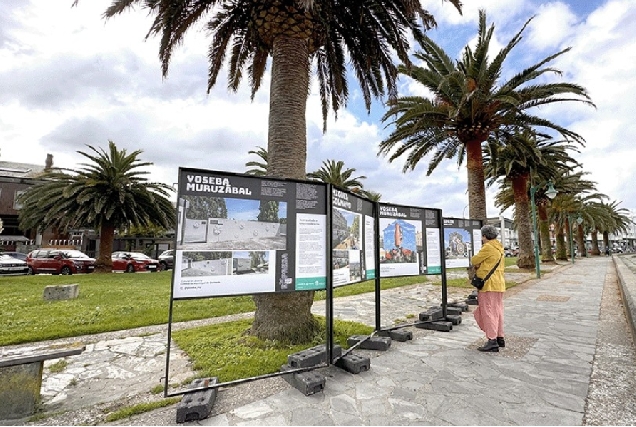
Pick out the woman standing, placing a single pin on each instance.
(490, 311)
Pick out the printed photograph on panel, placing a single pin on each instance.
(355, 266)
(217, 223)
(398, 240)
(206, 263)
(250, 262)
(340, 259)
(457, 243)
(346, 230)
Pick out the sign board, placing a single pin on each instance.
(352, 238)
(242, 234)
(462, 239)
(410, 240)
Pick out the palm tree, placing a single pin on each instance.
(525, 159)
(574, 191)
(619, 221)
(296, 34)
(371, 195)
(259, 168)
(470, 103)
(333, 172)
(106, 194)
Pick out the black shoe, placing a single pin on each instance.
(501, 341)
(491, 345)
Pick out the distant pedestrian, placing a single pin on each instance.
(607, 251)
(490, 311)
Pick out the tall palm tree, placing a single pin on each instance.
(259, 168)
(108, 193)
(525, 159)
(296, 34)
(470, 103)
(334, 172)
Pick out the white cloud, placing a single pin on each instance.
(553, 23)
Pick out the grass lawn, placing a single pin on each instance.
(111, 302)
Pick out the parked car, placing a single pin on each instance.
(59, 261)
(511, 252)
(132, 262)
(10, 265)
(17, 255)
(166, 259)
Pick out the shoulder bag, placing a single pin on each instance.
(479, 283)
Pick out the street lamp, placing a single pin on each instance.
(551, 193)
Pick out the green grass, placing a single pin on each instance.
(106, 302)
(111, 302)
(140, 409)
(58, 366)
(227, 352)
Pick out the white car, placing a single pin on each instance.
(10, 265)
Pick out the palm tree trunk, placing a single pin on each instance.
(287, 317)
(595, 248)
(561, 252)
(476, 181)
(544, 232)
(289, 88)
(104, 263)
(580, 240)
(522, 219)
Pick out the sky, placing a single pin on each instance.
(70, 79)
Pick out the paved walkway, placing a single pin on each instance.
(569, 360)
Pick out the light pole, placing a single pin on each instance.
(551, 193)
(579, 220)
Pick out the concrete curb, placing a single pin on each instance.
(627, 286)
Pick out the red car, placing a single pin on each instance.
(133, 262)
(59, 261)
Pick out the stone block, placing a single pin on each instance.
(20, 390)
(462, 305)
(442, 326)
(452, 311)
(197, 405)
(369, 343)
(21, 380)
(312, 356)
(400, 335)
(61, 292)
(354, 363)
(455, 319)
(431, 315)
(308, 382)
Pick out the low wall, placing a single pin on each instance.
(626, 270)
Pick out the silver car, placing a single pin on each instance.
(10, 265)
(166, 259)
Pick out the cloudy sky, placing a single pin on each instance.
(69, 79)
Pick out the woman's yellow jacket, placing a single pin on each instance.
(485, 260)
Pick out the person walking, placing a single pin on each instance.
(490, 310)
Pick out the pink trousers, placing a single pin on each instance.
(490, 314)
